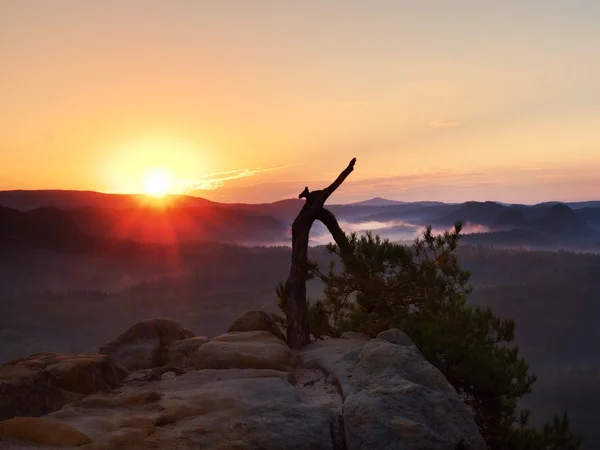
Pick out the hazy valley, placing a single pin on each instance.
(78, 268)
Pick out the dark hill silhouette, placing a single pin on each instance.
(484, 213)
(42, 221)
(378, 201)
(422, 213)
(552, 225)
(512, 217)
(284, 210)
(580, 205)
(518, 237)
(179, 218)
(56, 227)
(590, 215)
(560, 219)
(67, 199)
(572, 205)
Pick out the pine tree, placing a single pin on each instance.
(422, 290)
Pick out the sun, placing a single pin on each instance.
(158, 183)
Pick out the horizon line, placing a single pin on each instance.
(133, 194)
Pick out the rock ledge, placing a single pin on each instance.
(242, 390)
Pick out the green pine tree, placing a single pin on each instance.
(422, 290)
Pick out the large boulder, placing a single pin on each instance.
(184, 353)
(393, 398)
(355, 336)
(44, 382)
(144, 345)
(256, 321)
(248, 390)
(36, 430)
(245, 350)
(204, 409)
(25, 391)
(395, 336)
(84, 374)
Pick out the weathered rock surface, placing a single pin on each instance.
(205, 409)
(245, 350)
(143, 345)
(43, 431)
(248, 390)
(45, 381)
(395, 336)
(256, 321)
(84, 374)
(25, 391)
(355, 336)
(393, 398)
(184, 353)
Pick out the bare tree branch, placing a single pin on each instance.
(296, 307)
(329, 220)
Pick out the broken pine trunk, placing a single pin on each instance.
(296, 306)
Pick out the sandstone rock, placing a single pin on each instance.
(256, 321)
(143, 345)
(396, 382)
(184, 353)
(393, 398)
(115, 400)
(251, 413)
(84, 374)
(244, 391)
(335, 357)
(25, 391)
(204, 409)
(245, 350)
(194, 379)
(45, 381)
(43, 431)
(355, 335)
(395, 336)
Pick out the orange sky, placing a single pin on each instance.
(250, 101)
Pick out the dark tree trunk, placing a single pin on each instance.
(296, 309)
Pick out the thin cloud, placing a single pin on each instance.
(217, 180)
(407, 186)
(446, 123)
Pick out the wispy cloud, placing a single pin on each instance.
(446, 123)
(526, 184)
(421, 186)
(217, 180)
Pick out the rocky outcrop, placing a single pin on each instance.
(393, 398)
(25, 391)
(184, 353)
(245, 350)
(83, 374)
(256, 321)
(144, 345)
(43, 431)
(395, 336)
(248, 390)
(44, 382)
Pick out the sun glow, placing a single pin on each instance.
(158, 183)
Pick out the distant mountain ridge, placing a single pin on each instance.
(378, 201)
(57, 227)
(76, 199)
(188, 218)
(68, 199)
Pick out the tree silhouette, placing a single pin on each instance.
(294, 290)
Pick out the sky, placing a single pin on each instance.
(252, 100)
